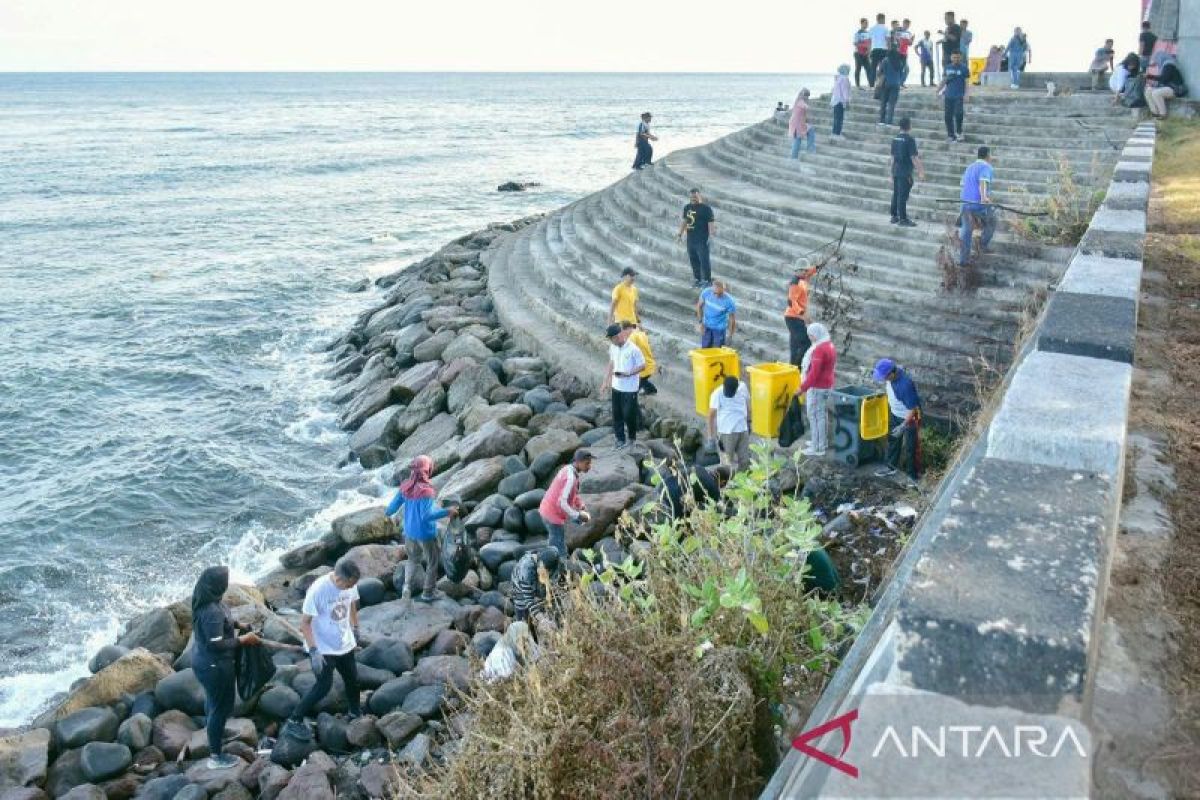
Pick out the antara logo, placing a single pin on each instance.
(842, 723)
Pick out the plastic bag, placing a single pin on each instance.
(253, 667)
(792, 427)
(456, 556)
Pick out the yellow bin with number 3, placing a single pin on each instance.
(772, 386)
(710, 366)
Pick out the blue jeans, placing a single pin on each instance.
(712, 337)
(1015, 70)
(558, 538)
(954, 116)
(218, 681)
(839, 117)
(966, 230)
(887, 103)
(810, 138)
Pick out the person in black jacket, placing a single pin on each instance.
(1165, 86)
(214, 641)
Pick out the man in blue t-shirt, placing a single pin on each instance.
(717, 313)
(977, 208)
(954, 92)
(905, 159)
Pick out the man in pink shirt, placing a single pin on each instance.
(561, 501)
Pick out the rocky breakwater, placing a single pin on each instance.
(428, 371)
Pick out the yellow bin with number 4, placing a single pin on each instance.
(772, 387)
(710, 366)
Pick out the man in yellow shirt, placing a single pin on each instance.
(641, 341)
(625, 300)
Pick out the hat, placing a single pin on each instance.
(628, 271)
(612, 330)
(883, 368)
(803, 264)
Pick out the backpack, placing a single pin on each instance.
(456, 556)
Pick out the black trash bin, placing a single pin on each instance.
(846, 437)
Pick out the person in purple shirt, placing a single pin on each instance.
(977, 208)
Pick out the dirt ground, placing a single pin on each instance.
(1148, 686)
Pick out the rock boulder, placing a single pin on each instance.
(24, 758)
(363, 527)
(605, 509)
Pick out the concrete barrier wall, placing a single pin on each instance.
(997, 603)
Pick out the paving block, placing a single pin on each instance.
(1127, 196)
(1094, 325)
(1136, 151)
(1115, 233)
(1064, 411)
(1132, 171)
(1002, 607)
(1111, 277)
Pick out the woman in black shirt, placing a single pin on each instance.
(214, 640)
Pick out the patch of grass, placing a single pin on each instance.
(1177, 177)
(1069, 206)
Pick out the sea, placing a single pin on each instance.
(175, 252)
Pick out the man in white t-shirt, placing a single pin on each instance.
(328, 622)
(625, 363)
(729, 419)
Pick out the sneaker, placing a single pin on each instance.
(223, 761)
(895, 220)
(950, 140)
(808, 450)
(885, 471)
(430, 597)
(1013, 86)
(621, 445)
(906, 223)
(297, 730)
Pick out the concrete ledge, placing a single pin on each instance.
(1115, 233)
(1128, 196)
(1004, 603)
(1094, 325)
(1064, 411)
(1136, 151)
(1110, 277)
(1132, 171)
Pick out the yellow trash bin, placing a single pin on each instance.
(873, 418)
(772, 387)
(710, 366)
(977, 66)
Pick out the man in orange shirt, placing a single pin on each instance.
(796, 315)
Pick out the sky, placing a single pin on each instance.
(515, 35)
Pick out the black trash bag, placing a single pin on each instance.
(792, 427)
(456, 556)
(253, 667)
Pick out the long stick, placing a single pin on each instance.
(1010, 209)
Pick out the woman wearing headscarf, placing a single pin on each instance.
(798, 127)
(420, 527)
(817, 368)
(214, 640)
(839, 98)
(1019, 54)
(1165, 86)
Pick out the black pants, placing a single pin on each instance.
(644, 156)
(887, 103)
(646, 386)
(218, 682)
(798, 341)
(862, 63)
(954, 116)
(348, 669)
(903, 445)
(927, 68)
(877, 57)
(901, 188)
(699, 258)
(625, 415)
(839, 118)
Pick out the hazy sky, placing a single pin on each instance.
(499, 35)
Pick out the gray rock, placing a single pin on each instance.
(378, 431)
(105, 656)
(530, 500)
(605, 509)
(513, 465)
(373, 677)
(391, 695)
(214, 780)
(448, 643)
(136, 732)
(558, 421)
(415, 624)
(65, 773)
(485, 516)
(493, 619)
(364, 526)
(398, 727)
(164, 788)
(351, 364)
(505, 394)
(477, 414)
(374, 372)
(591, 437)
(182, 691)
(492, 439)
(383, 320)
(408, 337)
(544, 465)
(432, 348)
(24, 758)
(272, 780)
(309, 556)
(86, 791)
(380, 780)
(518, 484)
(331, 733)
(278, 702)
(467, 346)
(95, 724)
(561, 443)
(362, 733)
(416, 752)
(334, 702)
(449, 669)
(427, 404)
(534, 524)
(172, 731)
(570, 387)
(587, 410)
(610, 472)
(157, 631)
(537, 398)
(427, 437)
(234, 791)
(389, 654)
(452, 370)
(474, 382)
(362, 405)
(476, 480)
(370, 592)
(104, 760)
(425, 701)
(376, 560)
(493, 554)
(514, 520)
(413, 380)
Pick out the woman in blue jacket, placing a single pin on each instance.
(420, 527)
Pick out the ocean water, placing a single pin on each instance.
(175, 249)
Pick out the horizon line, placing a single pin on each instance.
(395, 72)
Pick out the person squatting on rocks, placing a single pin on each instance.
(905, 159)
(977, 208)
(798, 128)
(954, 89)
(214, 640)
(796, 315)
(328, 621)
(562, 502)
(641, 340)
(625, 363)
(729, 421)
(862, 54)
(818, 369)
(420, 519)
(1165, 86)
(700, 225)
(533, 575)
(645, 150)
(839, 99)
(904, 412)
(625, 299)
(717, 312)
